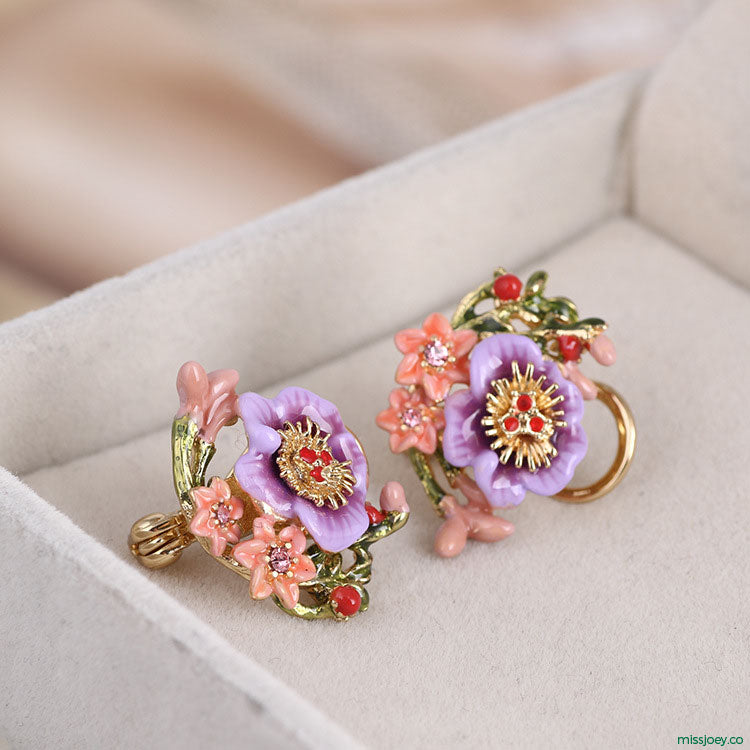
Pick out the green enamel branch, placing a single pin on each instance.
(190, 459)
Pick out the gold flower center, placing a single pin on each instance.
(306, 464)
(521, 418)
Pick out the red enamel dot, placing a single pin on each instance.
(507, 287)
(510, 424)
(375, 515)
(317, 473)
(345, 600)
(524, 402)
(570, 348)
(308, 455)
(536, 424)
(325, 457)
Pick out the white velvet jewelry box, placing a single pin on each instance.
(623, 623)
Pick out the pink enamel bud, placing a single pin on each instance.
(393, 498)
(603, 350)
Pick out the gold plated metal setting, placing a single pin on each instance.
(295, 501)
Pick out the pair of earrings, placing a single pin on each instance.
(297, 498)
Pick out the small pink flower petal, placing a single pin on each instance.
(251, 554)
(259, 586)
(287, 590)
(459, 373)
(463, 342)
(221, 488)
(263, 529)
(398, 397)
(203, 497)
(199, 525)
(438, 325)
(410, 339)
(438, 418)
(428, 440)
(236, 508)
(252, 546)
(388, 420)
(437, 386)
(232, 533)
(218, 544)
(409, 372)
(305, 569)
(295, 537)
(402, 441)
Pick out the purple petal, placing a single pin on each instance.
(571, 448)
(503, 486)
(294, 403)
(333, 530)
(345, 447)
(258, 477)
(492, 358)
(463, 437)
(254, 409)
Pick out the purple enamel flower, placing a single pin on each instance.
(517, 424)
(303, 463)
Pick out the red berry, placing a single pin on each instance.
(524, 402)
(536, 424)
(570, 348)
(375, 515)
(507, 287)
(345, 600)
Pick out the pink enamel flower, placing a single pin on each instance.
(412, 421)
(216, 515)
(435, 356)
(278, 562)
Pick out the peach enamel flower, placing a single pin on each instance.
(216, 515)
(412, 421)
(278, 561)
(435, 356)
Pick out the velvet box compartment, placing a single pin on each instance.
(620, 623)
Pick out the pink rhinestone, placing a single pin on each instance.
(411, 417)
(222, 513)
(436, 353)
(279, 561)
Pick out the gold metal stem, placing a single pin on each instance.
(625, 450)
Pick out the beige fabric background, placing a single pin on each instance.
(139, 126)
(624, 623)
